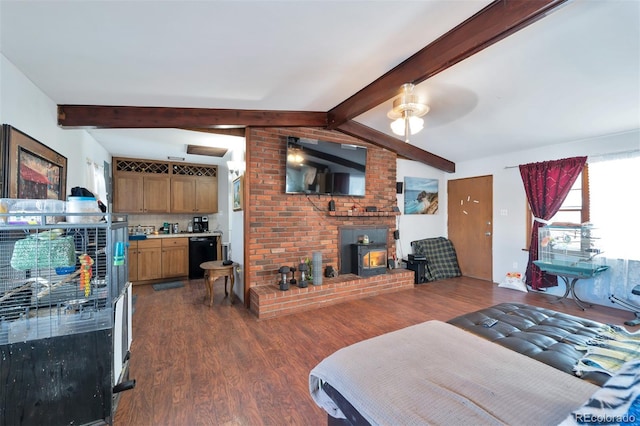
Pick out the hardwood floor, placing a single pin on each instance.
(196, 365)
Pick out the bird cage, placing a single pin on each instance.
(570, 248)
(57, 277)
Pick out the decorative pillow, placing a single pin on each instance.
(442, 261)
(513, 280)
(616, 403)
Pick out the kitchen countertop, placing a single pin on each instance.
(185, 235)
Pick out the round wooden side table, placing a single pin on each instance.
(214, 269)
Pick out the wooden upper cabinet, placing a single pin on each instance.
(194, 189)
(183, 192)
(156, 194)
(128, 193)
(148, 186)
(206, 195)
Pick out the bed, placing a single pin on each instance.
(441, 373)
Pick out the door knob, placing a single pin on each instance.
(488, 234)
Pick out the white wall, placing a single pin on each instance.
(417, 226)
(509, 197)
(25, 107)
(509, 208)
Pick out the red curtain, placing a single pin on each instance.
(547, 185)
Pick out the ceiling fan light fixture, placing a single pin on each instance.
(406, 112)
(399, 126)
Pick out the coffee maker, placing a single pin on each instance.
(200, 224)
(197, 224)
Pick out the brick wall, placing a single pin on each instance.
(284, 228)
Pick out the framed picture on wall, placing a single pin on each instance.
(420, 195)
(237, 193)
(32, 169)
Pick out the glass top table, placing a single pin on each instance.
(573, 271)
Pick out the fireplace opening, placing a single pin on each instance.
(369, 259)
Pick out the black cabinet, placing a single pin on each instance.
(419, 267)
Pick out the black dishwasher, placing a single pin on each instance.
(201, 249)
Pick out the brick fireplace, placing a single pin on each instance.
(284, 229)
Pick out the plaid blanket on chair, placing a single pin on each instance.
(442, 261)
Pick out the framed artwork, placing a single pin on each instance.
(32, 169)
(420, 195)
(238, 184)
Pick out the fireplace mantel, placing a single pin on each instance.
(363, 214)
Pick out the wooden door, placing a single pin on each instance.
(175, 257)
(156, 194)
(149, 259)
(470, 224)
(183, 194)
(133, 261)
(128, 193)
(207, 195)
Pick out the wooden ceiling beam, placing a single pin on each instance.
(131, 117)
(403, 149)
(229, 131)
(493, 23)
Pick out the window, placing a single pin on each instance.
(614, 205)
(574, 209)
(95, 181)
(605, 195)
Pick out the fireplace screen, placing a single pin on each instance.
(375, 259)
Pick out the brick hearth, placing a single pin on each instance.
(268, 301)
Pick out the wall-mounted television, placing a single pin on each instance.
(322, 167)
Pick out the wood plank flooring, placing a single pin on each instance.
(220, 365)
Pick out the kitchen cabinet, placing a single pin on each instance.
(132, 258)
(149, 186)
(143, 260)
(158, 258)
(135, 193)
(175, 257)
(194, 194)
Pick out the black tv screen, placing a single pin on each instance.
(322, 167)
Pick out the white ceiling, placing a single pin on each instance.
(574, 74)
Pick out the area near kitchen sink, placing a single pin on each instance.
(161, 257)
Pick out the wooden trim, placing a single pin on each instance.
(586, 200)
(246, 229)
(493, 23)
